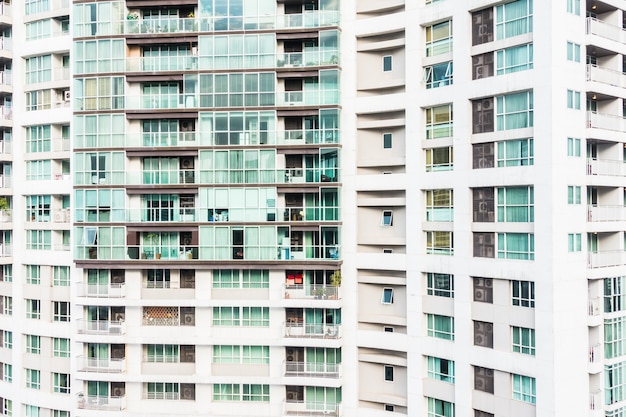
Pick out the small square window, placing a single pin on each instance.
(388, 329)
(387, 63)
(387, 219)
(387, 297)
(387, 139)
(388, 373)
(387, 250)
(389, 407)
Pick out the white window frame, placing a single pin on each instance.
(574, 242)
(518, 334)
(574, 147)
(33, 378)
(517, 383)
(523, 294)
(387, 59)
(387, 138)
(573, 51)
(388, 373)
(33, 344)
(432, 279)
(387, 296)
(386, 218)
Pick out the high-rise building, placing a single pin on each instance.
(313, 208)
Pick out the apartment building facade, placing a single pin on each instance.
(312, 208)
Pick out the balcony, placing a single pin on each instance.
(160, 25)
(6, 250)
(102, 290)
(594, 307)
(311, 292)
(595, 401)
(160, 177)
(606, 258)
(308, 19)
(101, 365)
(312, 369)
(162, 215)
(308, 98)
(606, 76)
(170, 139)
(102, 403)
(104, 327)
(312, 331)
(161, 64)
(6, 112)
(597, 213)
(309, 57)
(310, 214)
(605, 30)
(311, 409)
(606, 167)
(605, 121)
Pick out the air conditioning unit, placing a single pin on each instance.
(186, 163)
(188, 392)
(120, 317)
(187, 126)
(189, 318)
(190, 356)
(486, 104)
(291, 396)
(59, 216)
(117, 392)
(66, 95)
(118, 352)
(479, 294)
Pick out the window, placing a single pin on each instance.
(241, 316)
(162, 391)
(524, 388)
(39, 239)
(388, 329)
(573, 99)
(523, 340)
(6, 305)
(244, 392)
(516, 204)
(33, 309)
(439, 242)
(439, 159)
(440, 408)
(61, 383)
(573, 7)
(388, 373)
(573, 147)
(6, 407)
(33, 273)
(233, 278)
(441, 369)
(483, 334)
(438, 75)
(38, 69)
(614, 337)
(7, 372)
(6, 274)
(36, 6)
(439, 122)
(241, 354)
(7, 339)
(38, 139)
(60, 413)
(574, 242)
(513, 19)
(514, 111)
(33, 344)
(33, 378)
(614, 294)
(573, 194)
(515, 152)
(38, 170)
(573, 52)
(478, 413)
(387, 137)
(387, 63)
(615, 377)
(387, 218)
(441, 327)
(483, 290)
(61, 347)
(388, 407)
(61, 311)
(440, 285)
(38, 100)
(387, 297)
(440, 205)
(516, 58)
(523, 293)
(61, 276)
(162, 353)
(158, 278)
(32, 411)
(516, 246)
(439, 38)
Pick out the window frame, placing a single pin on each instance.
(519, 392)
(433, 331)
(388, 373)
(387, 140)
(386, 219)
(435, 369)
(387, 63)
(523, 340)
(433, 278)
(523, 294)
(387, 296)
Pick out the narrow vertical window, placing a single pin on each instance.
(387, 63)
(387, 140)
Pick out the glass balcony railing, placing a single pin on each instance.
(312, 369)
(606, 121)
(259, 137)
(104, 365)
(105, 327)
(278, 176)
(602, 259)
(606, 213)
(292, 252)
(302, 408)
(614, 168)
(312, 292)
(307, 330)
(102, 403)
(102, 290)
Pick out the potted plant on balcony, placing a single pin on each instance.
(153, 240)
(335, 281)
(5, 210)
